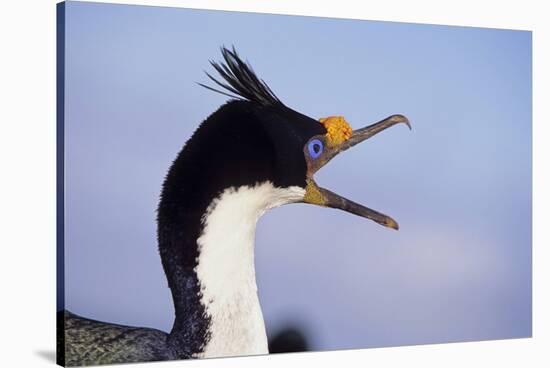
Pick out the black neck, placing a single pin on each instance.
(178, 250)
(242, 143)
(212, 160)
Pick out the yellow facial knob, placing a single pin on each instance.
(338, 130)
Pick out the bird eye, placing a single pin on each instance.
(315, 148)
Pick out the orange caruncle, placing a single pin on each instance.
(338, 130)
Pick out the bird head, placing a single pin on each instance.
(257, 138)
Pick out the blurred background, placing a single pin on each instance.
(459, 184)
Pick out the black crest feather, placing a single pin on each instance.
(240, 81)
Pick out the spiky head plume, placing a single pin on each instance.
(240, 82)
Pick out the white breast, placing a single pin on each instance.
(225, 267)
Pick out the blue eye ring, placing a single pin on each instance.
(315, 148)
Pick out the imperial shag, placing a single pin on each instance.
(253, 154)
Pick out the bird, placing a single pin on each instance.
(253, 154)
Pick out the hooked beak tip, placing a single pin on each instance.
(392, 224)
(401, 119)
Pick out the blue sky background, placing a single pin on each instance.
(459, 184)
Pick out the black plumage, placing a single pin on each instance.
(240, 81)
(249, 140)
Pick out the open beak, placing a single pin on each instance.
(326, 198)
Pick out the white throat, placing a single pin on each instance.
(225, 267)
